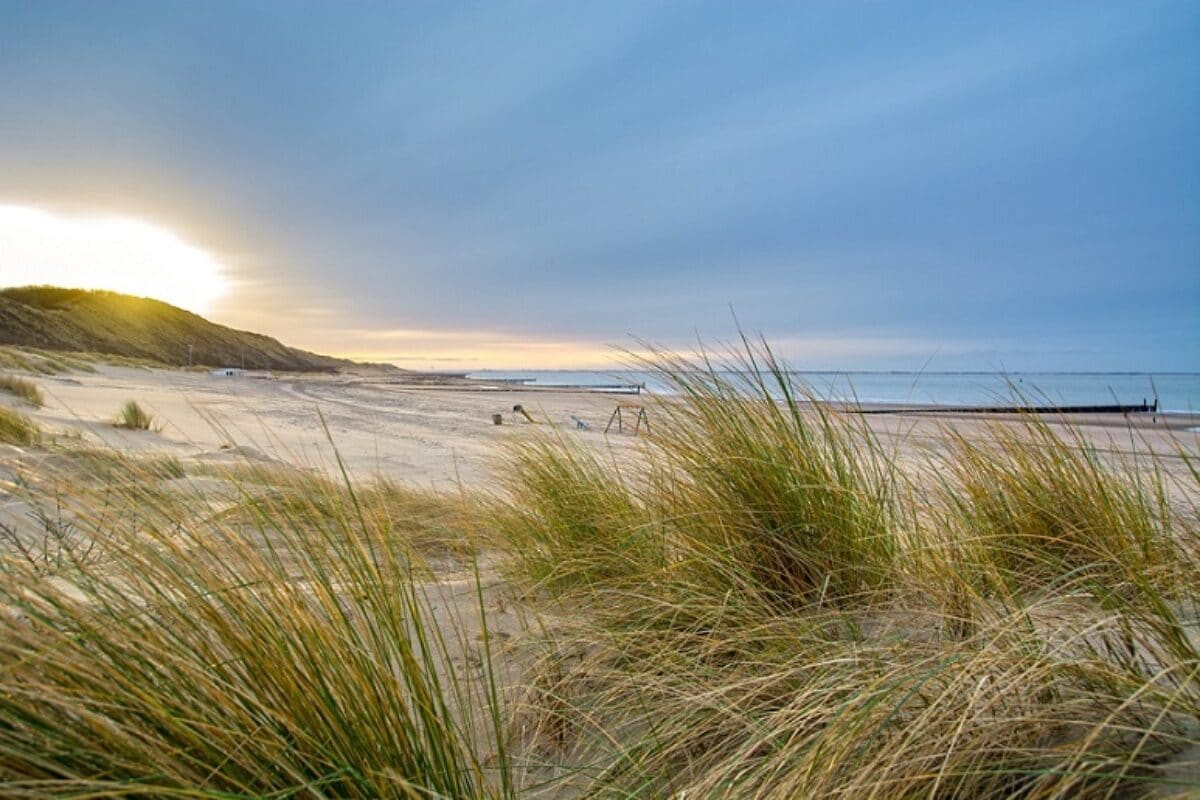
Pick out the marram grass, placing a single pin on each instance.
(133, 417)
(23, 388)
(1016, 617)
(181, 654)
(1041, 502)
(763, 601)
(16, 428)
(747, 485)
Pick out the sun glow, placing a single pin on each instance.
(116, 253)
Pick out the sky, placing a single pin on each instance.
(895, 185)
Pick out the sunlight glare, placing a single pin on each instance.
(116, 253)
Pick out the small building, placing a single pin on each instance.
(228, 372)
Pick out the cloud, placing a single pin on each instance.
(993, 184)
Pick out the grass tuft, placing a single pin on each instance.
(172, 649)
(133, 417)
(16, 428)
(25, 389)
(1041, 503)
(747, 482)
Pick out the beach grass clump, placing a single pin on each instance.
(41, 362)
(571, 519)
(199, 659)
(27, 390)
(133, 417)
(24, 360)
(1041, 503)
(747, 484)
(16, 428)
(816, 620)
(430, 522)
(770, 485)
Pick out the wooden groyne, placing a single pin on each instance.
(1142, 408)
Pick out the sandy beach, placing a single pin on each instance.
(430, 432)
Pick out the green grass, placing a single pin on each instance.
(133, 417)
(25, 389)
(16, 428)
(572, 520)
(764, 603)
(189, 655)
(1040, 506)
(800, 502)
(76, 324)
(760, 599)
(746, 485)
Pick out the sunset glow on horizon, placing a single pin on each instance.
(120, 254)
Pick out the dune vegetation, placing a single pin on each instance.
(49, 319)
(133, 417)
(272, 641)
(16, 428)
(20, 387)
(43, 362)
(767, 605)
(769, 601)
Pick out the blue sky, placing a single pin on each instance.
(872, 185)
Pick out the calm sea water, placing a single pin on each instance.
(1175, 391)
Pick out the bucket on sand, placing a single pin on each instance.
(497, 419)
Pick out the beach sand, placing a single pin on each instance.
(431, 433)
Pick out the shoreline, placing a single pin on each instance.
(438, 430)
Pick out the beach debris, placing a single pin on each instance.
(497, 419)
(580, 425)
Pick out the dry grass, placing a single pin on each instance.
(174, 651)
(43, 362)
(133, 417)
(16, 428)
(789, 616)
(760, 604)
(25, 389)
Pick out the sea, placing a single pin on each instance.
(1176, 391)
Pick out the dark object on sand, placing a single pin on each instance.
(1143, 408)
